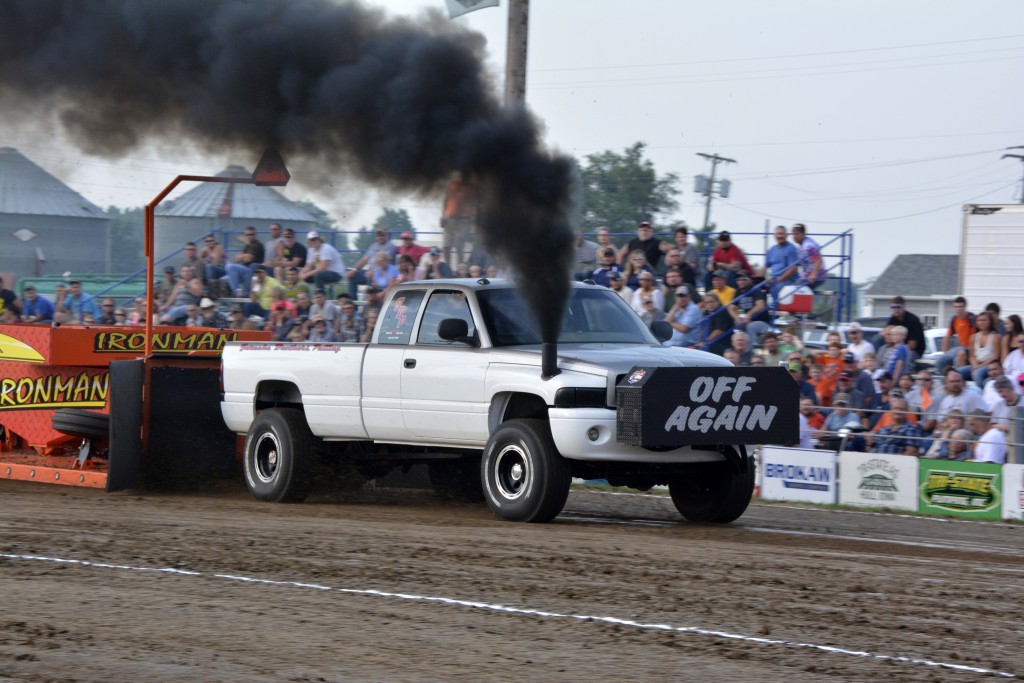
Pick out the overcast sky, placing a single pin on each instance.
(880, 117)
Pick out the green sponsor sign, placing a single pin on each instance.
(960, 489)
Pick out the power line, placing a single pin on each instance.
(791, 143)
(860, 167)
(798, 67)
(872, 220)
(714, 79)
(789, 56)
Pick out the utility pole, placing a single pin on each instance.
(1021, 157)
(515, 59)
(709, 189)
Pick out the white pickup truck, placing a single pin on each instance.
(456, 376)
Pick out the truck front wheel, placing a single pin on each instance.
(279, 453)
(525, 479)
(712, 492)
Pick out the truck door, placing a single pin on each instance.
(382, 368)
(443, 395)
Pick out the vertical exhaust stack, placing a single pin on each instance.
(548, 360)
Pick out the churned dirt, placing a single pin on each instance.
(392, 585)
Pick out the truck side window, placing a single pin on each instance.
(396, 323)
(444, 304)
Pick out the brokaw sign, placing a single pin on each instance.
(672, 407)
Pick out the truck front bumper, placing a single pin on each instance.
(589, 434)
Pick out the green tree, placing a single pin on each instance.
(395, 221)
(363, 240)
(621, 190)
(127, 232)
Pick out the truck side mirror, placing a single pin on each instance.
(455, 329)
(662, 330)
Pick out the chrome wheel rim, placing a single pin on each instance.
(266, 457)
(512, 472)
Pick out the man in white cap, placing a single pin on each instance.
(209, 316)
(323, 262)
(858, 346)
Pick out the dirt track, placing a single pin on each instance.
(884, 585)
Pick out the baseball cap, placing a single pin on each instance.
(724, 236)
(644, 224)
(845, 374)
(841, 397)
(406, 235)
(435, 251)
(312, 235)
(288, 231)
(683, 290)
(648, 300)
(742, 275)
(721, 274)
(795, 365)
(615, 275)
(849, 357)
(206, 303)
(168, 269)
(262, 268)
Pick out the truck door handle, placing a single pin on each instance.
(409, 362)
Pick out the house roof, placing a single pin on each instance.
(27, 189)
(918, 275)
(234, 200)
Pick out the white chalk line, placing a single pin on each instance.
(658, 523)
(491, 607)
(775, 504)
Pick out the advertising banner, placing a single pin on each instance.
(795, 474)
(961, 489)
(882, 481)
(1013, 492)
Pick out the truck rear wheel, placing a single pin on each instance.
(279, 455)
(525, 479)
(712, 492)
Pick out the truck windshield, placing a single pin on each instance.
(593, 316)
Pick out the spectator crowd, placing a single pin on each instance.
(873, 389)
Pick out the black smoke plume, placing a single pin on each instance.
(337, 85)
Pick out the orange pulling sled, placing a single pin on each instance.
(56, 391)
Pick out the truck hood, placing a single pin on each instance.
(619, 359)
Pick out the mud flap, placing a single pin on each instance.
(166, 429)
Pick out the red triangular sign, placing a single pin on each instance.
(271, 170)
